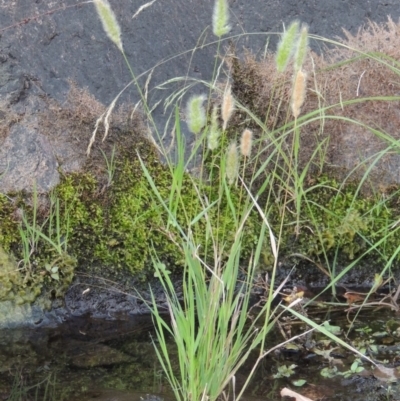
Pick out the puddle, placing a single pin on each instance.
(82, 359)
(98, 360)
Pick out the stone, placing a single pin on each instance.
(45, 45)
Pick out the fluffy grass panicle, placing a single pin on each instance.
(109, 21)
(286, 46)
(232, 163)
(246, 142)
(196, 114)
(220, 20)
(299, 92)
(214, 134)
(228, 107)
(301, 48)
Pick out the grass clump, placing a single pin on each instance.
(40, 258)
(209, 321)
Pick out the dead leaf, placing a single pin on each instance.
(353, 297)
(285, 392)
(388, 375)
(293, 296)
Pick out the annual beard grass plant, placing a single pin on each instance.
(209, 321)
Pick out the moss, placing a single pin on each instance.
(24, 277)
(336, 219)
(8, 226)
(9, 276)
(117, 224)
(121, 226)
(15, 286)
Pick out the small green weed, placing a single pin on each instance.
(285, 371)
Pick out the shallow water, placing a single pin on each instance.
(87, 359)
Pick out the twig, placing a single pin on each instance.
(359, 82)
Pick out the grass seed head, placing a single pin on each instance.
(232, 163)
(109, 21)
(196, 114)
(301, 48)
(246, 142)
(228, 106)
(299, 92)
(220, 20)
(214, 134)
(286, 46)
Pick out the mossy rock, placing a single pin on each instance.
(108, 215)
(121, 226)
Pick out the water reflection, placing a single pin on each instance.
(87, 359)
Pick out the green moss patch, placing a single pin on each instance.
(119, 225)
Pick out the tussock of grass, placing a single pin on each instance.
(294, 121)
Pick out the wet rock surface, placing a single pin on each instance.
(123, 298)
(105, 299)
(113, 298)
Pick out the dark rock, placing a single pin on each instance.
(26, 156)
(46, 45)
